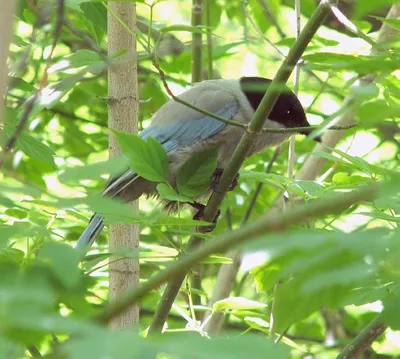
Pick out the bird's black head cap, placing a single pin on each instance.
(287, 110)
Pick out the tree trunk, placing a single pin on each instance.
(7, 10)
(123, 114)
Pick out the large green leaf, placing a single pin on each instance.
(147, 159)
(194, 177)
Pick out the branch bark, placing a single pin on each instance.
(364, 339)
(309, 171)
(123, 107)
(7, 10)
(197, 42)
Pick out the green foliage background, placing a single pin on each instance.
(326, 279)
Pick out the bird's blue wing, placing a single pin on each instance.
(178, 134)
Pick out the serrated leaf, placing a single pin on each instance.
(168, 193)
(35, 148)
(194, 177)
(148, 159)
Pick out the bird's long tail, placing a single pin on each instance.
(91, 232)
(114, 188)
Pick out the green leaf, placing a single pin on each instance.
(393, 23)
(362, 65)
(168, 193)
(194, 177)
(367, 7)
(148, 159)
(35, 148)
(375, 111)
(237, 303)
(16, 213)
(79, 59)
(234, 348)
(113, 167)
(381, 215)
(391, 313)
(63, 261)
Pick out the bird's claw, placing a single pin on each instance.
(216, 178)
(199, 216)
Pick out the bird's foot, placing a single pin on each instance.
(200, 214)
(216, 178)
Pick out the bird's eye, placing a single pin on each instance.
(287, 112)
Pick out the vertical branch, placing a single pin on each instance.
(292, 142)
(197, 10)
(123, 114)
(7, 10)
(210, 71)
(197, 56)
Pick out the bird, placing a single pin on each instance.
(183, 132)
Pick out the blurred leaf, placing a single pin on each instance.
(16, 212)
(366, 7)
(63, 261)
(203, 348)
(113, 167)
(390, 313)
(381, 215)
(362, 65)
(237, 303)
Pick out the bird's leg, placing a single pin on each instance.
(199, 216)
(217, 176)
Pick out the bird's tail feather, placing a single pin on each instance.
(91, 232)
(96, 224)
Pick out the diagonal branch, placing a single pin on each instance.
(265, 224)
(364, 339)
(309, 171)
(238, 157)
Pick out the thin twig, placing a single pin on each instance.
(234, 123)
(256, 193)
(259, 32)
(34, 351)
(30, 103)
(350, 26)
(272, 19)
